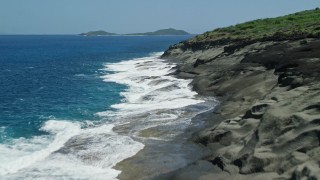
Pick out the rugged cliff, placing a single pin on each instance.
(268, 123)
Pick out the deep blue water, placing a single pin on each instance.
(58, 77)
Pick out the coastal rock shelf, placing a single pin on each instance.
(267, 125)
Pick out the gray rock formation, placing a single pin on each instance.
(270, 108)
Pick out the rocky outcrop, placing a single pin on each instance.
(270, 108)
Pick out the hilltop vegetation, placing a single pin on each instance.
(299, 25)
(266, 74)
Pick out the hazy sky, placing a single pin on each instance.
(129, 16)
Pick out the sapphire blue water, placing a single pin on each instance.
(58, 77)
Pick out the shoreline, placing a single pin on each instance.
(256, 85)
(266, 74)
(152, 117)
(160, 156)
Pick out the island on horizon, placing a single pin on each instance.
(161, 32)
(98, 33)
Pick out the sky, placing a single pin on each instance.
(131, 16)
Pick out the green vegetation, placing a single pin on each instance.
(97, 33)
(294, 26)
(169, 31)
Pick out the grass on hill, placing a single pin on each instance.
(294, 26)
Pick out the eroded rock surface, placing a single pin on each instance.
(270, 108)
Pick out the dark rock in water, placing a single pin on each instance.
(158, 81)
(218, 162)
(147, 98)
(169, 88)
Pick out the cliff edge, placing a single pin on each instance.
(266, 74)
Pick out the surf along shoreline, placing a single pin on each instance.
(268, 85)
(154, 118)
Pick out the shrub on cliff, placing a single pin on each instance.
(294, 26)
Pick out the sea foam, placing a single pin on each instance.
(68, 151)
(153, 98)
(150, 86)
(76, 150)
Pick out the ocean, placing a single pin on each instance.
(72, 107)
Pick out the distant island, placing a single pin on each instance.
(98, 33)
(169, 31)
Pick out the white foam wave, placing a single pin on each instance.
(70, 151)
(154, 100)
(24, 152)
(149, 85)
(67, 152)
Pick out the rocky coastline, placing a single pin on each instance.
(267, 125)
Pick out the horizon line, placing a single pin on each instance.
(3, 34)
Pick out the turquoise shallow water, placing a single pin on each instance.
(58, 77)
(72, 107)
